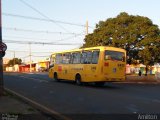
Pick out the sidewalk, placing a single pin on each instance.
(11, 104)
(143, 78)
(11, 107)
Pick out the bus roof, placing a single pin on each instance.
(91, 48)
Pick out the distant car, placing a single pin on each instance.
(42, 69)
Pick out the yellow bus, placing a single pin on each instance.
(95, 64)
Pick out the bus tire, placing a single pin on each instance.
(78, 79)
(56, 77)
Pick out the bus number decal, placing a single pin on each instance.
(79, 69)
(120, 66)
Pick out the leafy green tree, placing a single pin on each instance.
(14, 61)
(137, 34)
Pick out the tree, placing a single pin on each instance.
(137, 34)
(14, 61)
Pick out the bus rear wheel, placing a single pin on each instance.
(56, 77)
(78, 79)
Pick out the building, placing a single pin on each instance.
(39, 66)
(5, 61)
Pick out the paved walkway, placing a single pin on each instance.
(9, 104)
(143, 78)
(12, 107)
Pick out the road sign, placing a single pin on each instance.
(3, 47)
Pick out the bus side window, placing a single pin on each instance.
(86, 57)
(83, 57)
(76, 58)
(66, 58)
(69, 58)
(89, 57)
(58, 58)
(95, 57)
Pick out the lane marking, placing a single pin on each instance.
(41, 107)
(156, 100)
(133, 108)
(35, 79)
(35, 87)
(51, 92)
(39, 80)
(35, 73)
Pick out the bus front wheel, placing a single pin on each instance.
(78, 79)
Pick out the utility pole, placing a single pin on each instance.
(87, 27)
(14, 57)
(30, 63)
(14, 60)
(1, 60)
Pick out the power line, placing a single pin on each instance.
(25, 57)
(43, 15)
(24, 37)
(41, 19)
(63, 39)
(39, 56)
(42, 43)
(27, 51)
(34, 56)
(38, 31)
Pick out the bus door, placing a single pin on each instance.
(90, 62)
(114, 64)
(58, 65)
(66, 66)
(51, 65)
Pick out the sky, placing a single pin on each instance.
(67, 36)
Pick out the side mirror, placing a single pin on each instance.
(50, 66)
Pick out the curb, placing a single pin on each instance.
(141, 82)
(43, 109)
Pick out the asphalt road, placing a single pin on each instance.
(68, 98)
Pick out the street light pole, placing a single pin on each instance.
(1, 60)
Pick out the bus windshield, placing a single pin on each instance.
(114, 55)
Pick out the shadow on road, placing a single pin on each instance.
(91, 85)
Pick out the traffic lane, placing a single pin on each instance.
(82, 97)
(59, 96)
(134, 88)
(66, 97)
(39, 75)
